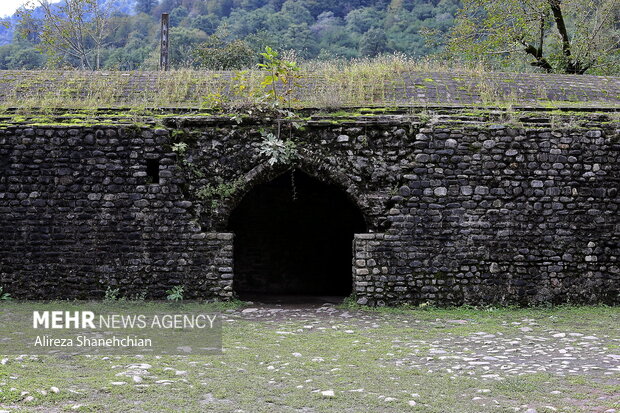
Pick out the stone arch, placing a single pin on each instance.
(264, 172)
(295, 239)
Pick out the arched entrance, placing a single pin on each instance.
(293, 236)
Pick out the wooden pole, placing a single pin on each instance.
(164, 62)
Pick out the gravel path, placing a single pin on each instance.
(525, 348)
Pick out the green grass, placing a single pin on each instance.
(375, 350)
(374, 82)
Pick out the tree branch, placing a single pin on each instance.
(540, 60)
(541, 40)
(561, 25)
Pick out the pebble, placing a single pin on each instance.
(139, 366)
(481, 355)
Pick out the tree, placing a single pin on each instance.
(217, 54)
(68, 34)
(72, 30)
(20, 56)
(562, 36)
(177, 15)
(295, 12)
(207, 23)
(373, 42)
(299, 37)
(184, 42)
(145, 6)
(362, 20)
(131, 56)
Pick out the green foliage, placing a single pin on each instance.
(278, 150)
(186, 41)
(279, 72)
(175, 293)
(214, 100)
(218, 54)
(373, 42)
(72, 31)
(141, 296)
(229, 35)
(145, 6)
(218, 192)
(4, 296)
(571, 36)
(180, 148)
(221, 191)
(241, 84)
(20, 55)
(111, 294)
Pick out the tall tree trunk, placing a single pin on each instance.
(572, 65)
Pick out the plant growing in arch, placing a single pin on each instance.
(277, 150)
(286, 73)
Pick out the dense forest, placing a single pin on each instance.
(229, 33)
(561, 36)
(240, 28)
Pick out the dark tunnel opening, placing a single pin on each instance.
(293, 236)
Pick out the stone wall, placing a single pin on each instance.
(78, 215)
(500, 215)
(458, 209)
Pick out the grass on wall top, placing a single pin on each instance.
(393, 80)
